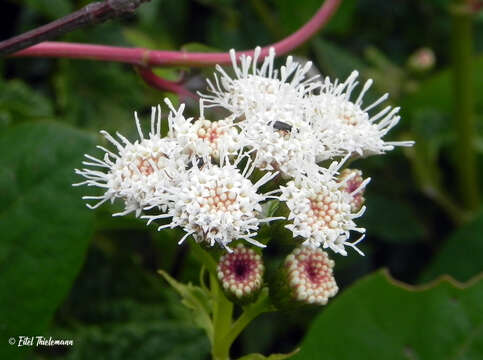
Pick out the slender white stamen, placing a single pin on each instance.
(138, 125)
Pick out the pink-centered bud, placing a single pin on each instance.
(309, 275)
(422, 59)
(241, 272)
(352, 183)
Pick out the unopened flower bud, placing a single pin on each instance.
(422, 60)
(305, 278)
(309, 275)
(241, 274)
(354, 185)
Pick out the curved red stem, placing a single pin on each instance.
(145, 57)
(159, 83)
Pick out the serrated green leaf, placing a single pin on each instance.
(378, 318)
(44, 225)
(196, 299)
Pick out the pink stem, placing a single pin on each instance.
(159, 83)
(145, 57)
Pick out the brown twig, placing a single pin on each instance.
(91, 14)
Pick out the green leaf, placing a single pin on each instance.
(392, 221)
(198, 47)
(429, 110)
(378, 318)
(19, 102)
(436, 93)
(153, 339)
(341, 22)
(270, 357)
(139, 38)
(334, 60)
(110, 94)
(118, 309)
(140, 332)
(462, 254)
(44, 224)
(294, 14)
(52, 9)
(269, 208)
(196, 299)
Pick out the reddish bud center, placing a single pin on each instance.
(314, 271)
(240, 272)
(241, 269)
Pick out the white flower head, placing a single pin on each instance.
(345, 126)
(256, 87)
(138, 171)
(320, 211)
(282, 141)
(202, 137)
(217, 203)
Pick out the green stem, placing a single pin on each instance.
(250, 312)
(427, 175)
(222, 307)
(222, 317)
(462, 52)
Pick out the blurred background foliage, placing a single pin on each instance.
(68, 272)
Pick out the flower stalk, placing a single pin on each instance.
(222, 318)
(464, 121)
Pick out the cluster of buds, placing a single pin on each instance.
(201, 176)
(306, 277)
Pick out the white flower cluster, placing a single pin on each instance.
(205, 175)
